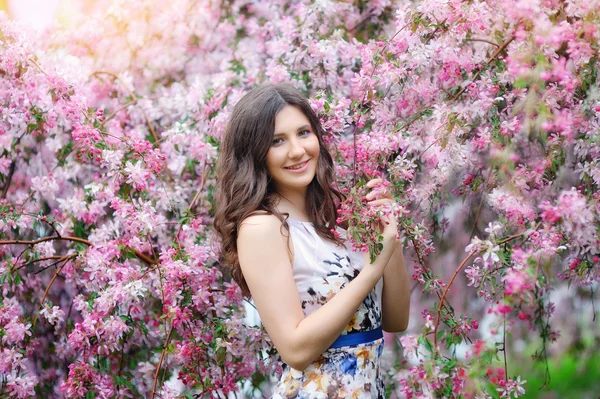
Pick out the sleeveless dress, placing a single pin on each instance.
(321, 269)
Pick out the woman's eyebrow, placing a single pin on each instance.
(303, 127)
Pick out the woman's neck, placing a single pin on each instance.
(293, 203)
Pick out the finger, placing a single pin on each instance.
(379, 193)
(374, 182)
(381, 201)
(385, 193)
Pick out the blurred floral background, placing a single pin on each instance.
(483, 115)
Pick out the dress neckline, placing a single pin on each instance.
(299, 221)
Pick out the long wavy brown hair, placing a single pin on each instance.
(243, 183)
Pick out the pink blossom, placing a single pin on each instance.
(410, 345)
(516, 281)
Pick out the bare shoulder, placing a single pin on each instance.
(262, 245)
(259, 226)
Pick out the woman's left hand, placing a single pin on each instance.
(379, 191)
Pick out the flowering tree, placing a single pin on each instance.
(482, 116)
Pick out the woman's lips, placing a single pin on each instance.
(299, 170)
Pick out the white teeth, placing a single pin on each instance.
(297, 167)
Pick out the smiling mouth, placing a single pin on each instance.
(298, 166)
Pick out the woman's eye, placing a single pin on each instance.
(276, 141)
(305, 132)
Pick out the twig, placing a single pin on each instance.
(30, 196)
(439, 311)
(204, 177)
(359, 24)
(143, 257)
(37, 66)
(205, 173)
(54, 264)
(162, 356)
(132, 95)
(363, 100)
(493, 57)
(135, 98)
(422, 263)
(60, 258)
(487, 183)
(138, 254)
(115, 112)
(479, 39)
(8, 179)
(504, 348)
(35, 317)
(44, 239)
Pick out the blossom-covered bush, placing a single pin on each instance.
(483, 116)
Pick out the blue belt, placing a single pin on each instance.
(357, 338)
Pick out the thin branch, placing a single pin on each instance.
(121, 108)
(145, 258)
(204, 177)
(363, 100)
(40, 260)
(72, 256)
(162, 356)
(37, 66)
(51, 225)
(138, 254)
(135, 98)
(44, 239)
(492, 58)
(361, 23)
(205, 173)
(504, 347)
(480, 39)
(8, 179)
(439, 311)
(35, 317)
(487, 183)
(132, 95)
(30, 196)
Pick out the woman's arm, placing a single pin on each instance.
(263, 255)
(396, 293)
(396, 289)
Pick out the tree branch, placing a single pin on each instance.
(492, 58)
(8, 179)
(138, 254)
(35, 317)
(162, 356)
(439, 310)
(41, 260)
(479, 39)
(44, 239)
(132, 95)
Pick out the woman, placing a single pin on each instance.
(322, 305)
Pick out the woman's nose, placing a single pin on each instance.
(296, 150)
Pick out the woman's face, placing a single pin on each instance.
(294, 144)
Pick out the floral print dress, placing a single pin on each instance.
(322, 269)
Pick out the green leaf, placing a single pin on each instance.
(440, 334)
(520, 83)
(103, 364)
(124, 382)
(425, 342)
